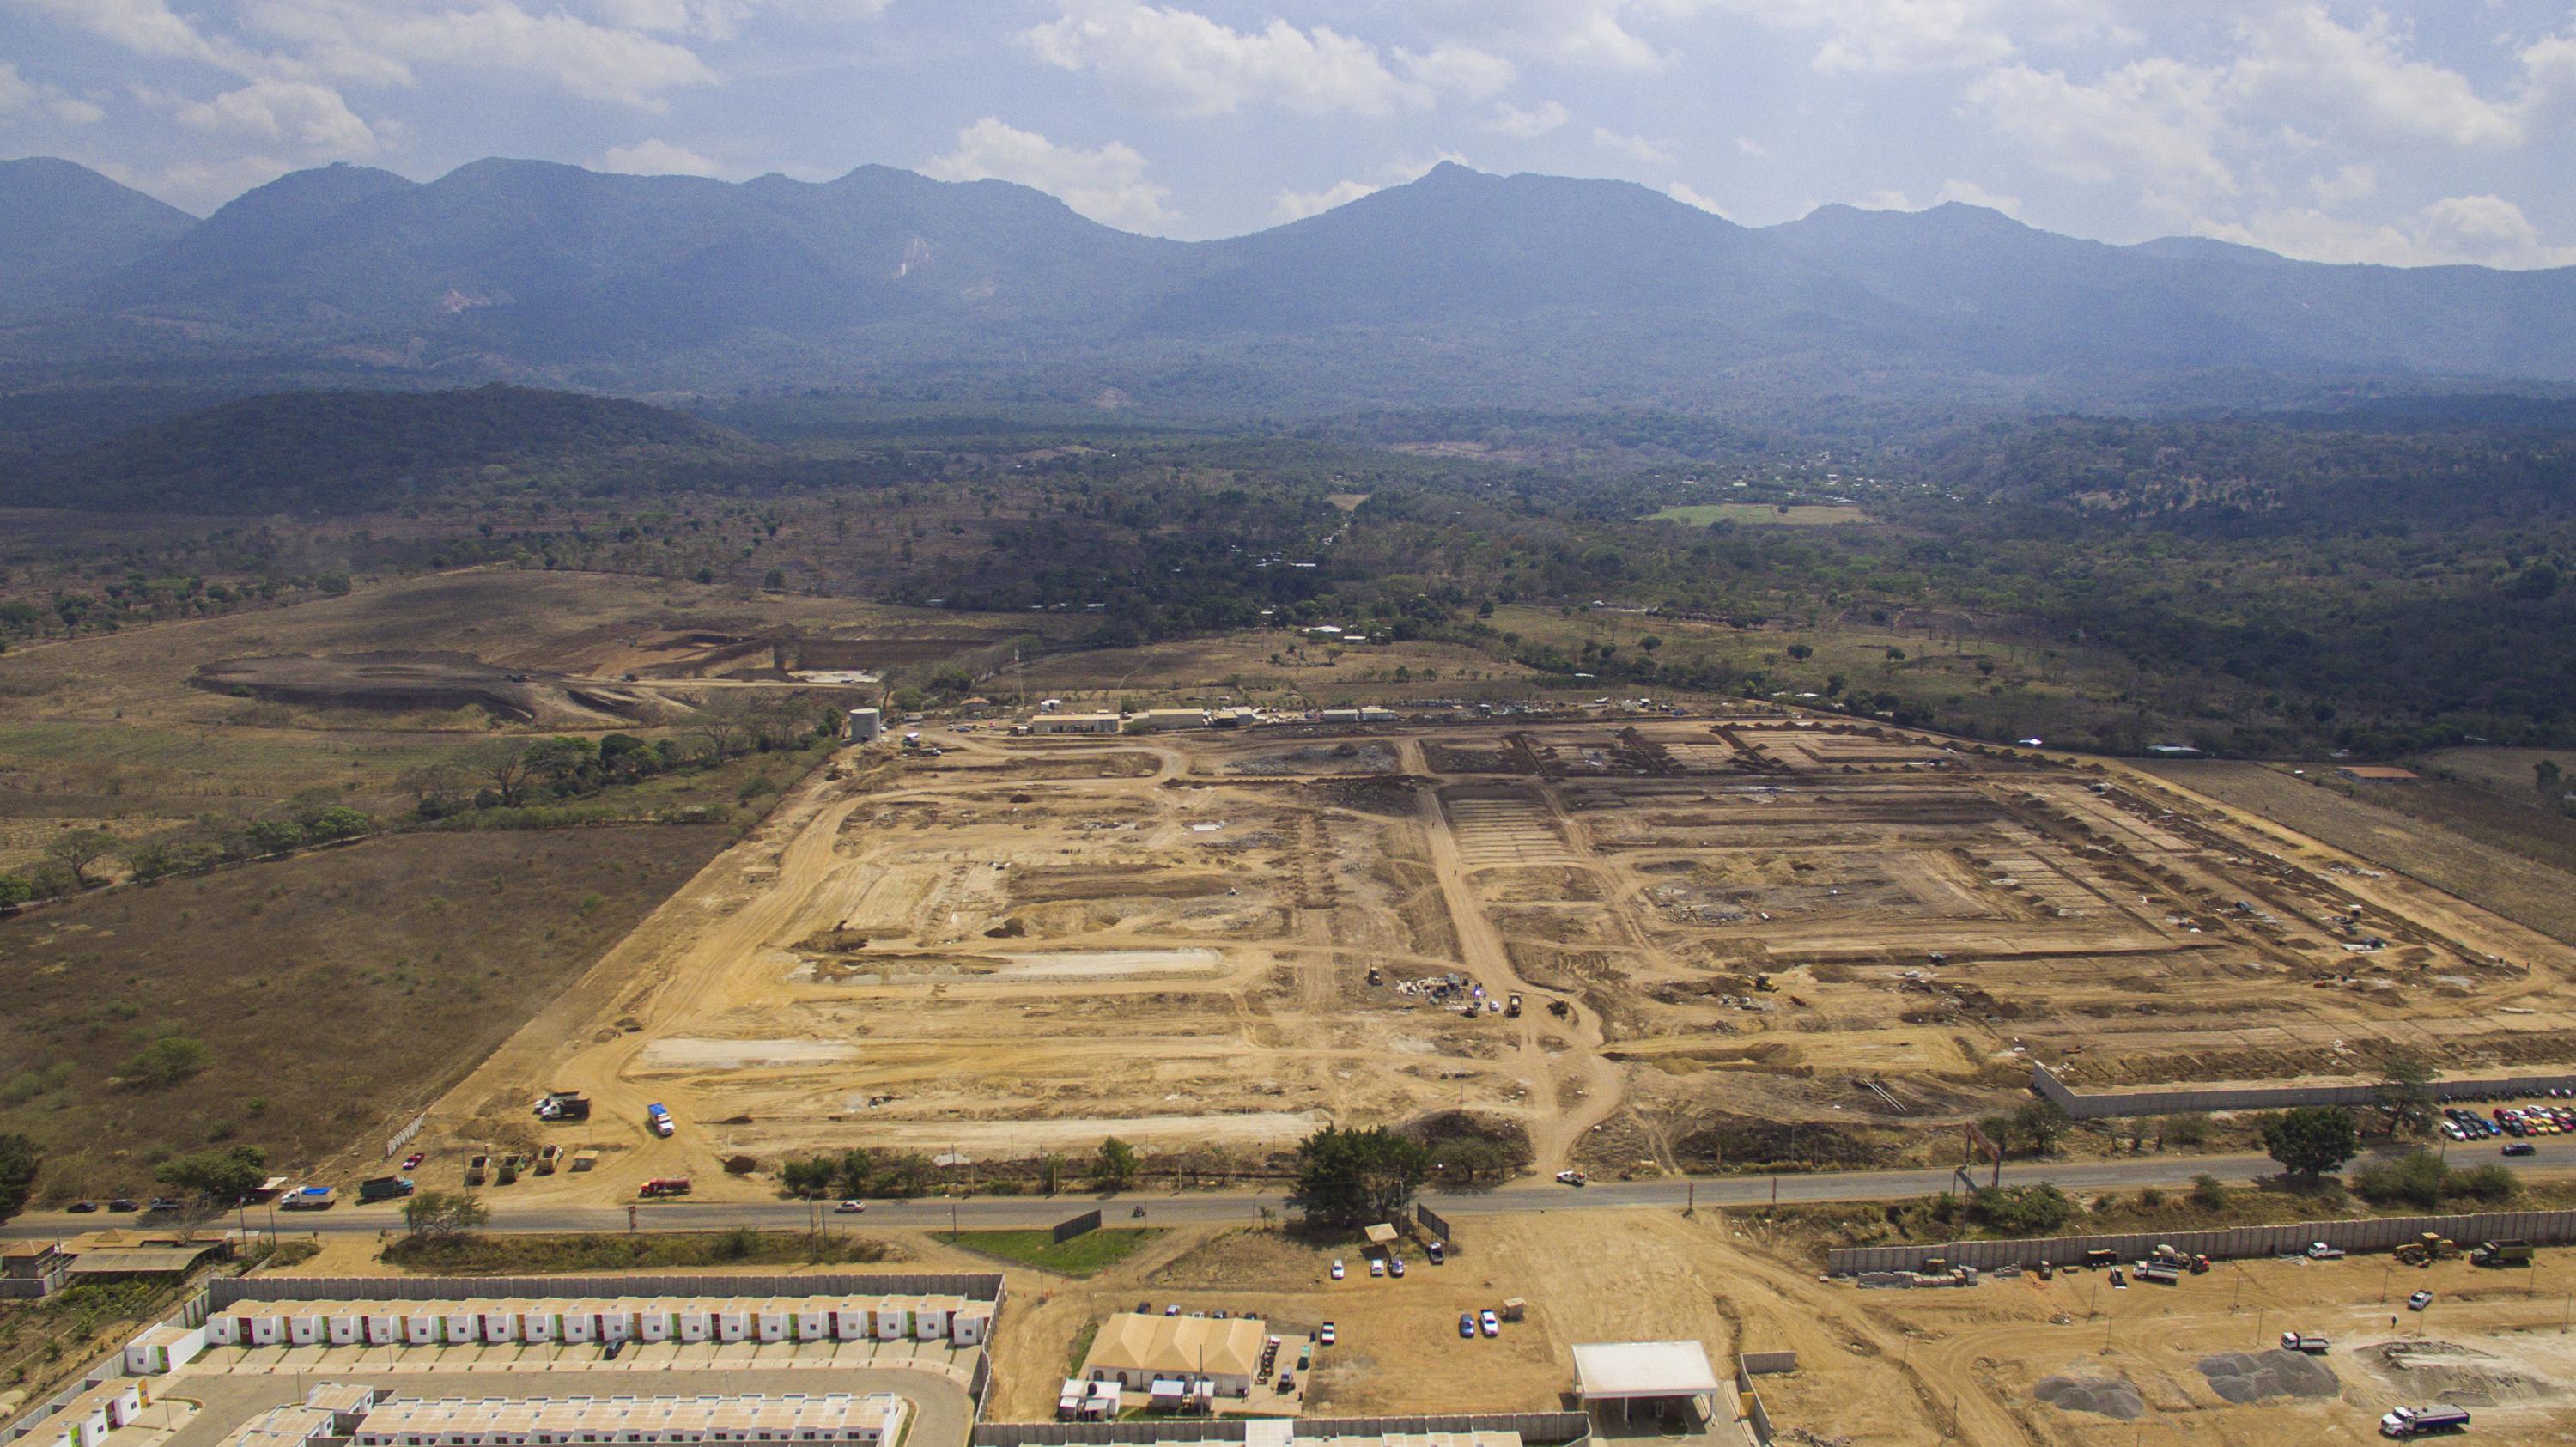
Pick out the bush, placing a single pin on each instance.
(2209, 1192)
(2421, 1179)
(2020, 1210)
(168, 1061)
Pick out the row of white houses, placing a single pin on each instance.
(957, 1320)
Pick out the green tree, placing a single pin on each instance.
(225, 1174)
(2403, 1095)
(810, 1180)
(2547, 780)
(2311, 1140)
(2040, 1123)
(78, 850)
(858, 1172)
(19, 1162)
(435, 1215)
(274, 836)
(2209, 1193)
(168, 1061)
(2020, 1210)
(150, 858)
(1357, 1177)
(1115, 1168)
(15, 890)
(337, 822)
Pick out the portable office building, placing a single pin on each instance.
(500, 1321)
(306, 1324)
(971, 1323)
(542, 1321)
(163, 1348)
(462, 1323)
(616, 1319)
(732, 1320)
(653, 1319)
(773, 1321)
(346, 1323)
(695, 1320)
(425, 1327)
(930, 1320)
(850, 1322)
(574, 1323)
(894, 1320)
(384, 1323)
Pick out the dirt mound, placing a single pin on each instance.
(2103, 1396)
(417, 683)
(2242, 1377)
(2448, 1372)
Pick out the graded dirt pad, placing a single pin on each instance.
(433, 683)
(1711, 972)
(2102, 1396)
(2260, 1376)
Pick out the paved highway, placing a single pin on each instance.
(1246, 1206)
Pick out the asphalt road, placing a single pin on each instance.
(1246, 1206)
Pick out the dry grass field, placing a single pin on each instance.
(336, 993)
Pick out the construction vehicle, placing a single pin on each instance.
(477, 1169)
(665, 1186)
(2424, 1421)
(2300, 1341)
(563, 1105)
(584, 1159)
(2426, 1249)
(548, 1158)
(309, 1198)
(2160, 1273)
(509, 1171)
(383, 1188)
(1513, 1010)
(658, 1116)
(2099, 1259)
(2501, 1253)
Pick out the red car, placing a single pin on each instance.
(413, 1160)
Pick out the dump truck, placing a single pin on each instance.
(665, 1186)
(563, 1105)
(1513, 1009)
(477, 1170)
(658, 1116)
(2424, 1421)
(2501, 1253)
(2160, 1273)
(2301, 1341)
(548, 1158)
(584, 1159)
(383, 1188)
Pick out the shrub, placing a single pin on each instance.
(168, 1061)
(2020, 1210)
(2209, 1193)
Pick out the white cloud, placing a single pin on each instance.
(1180, 61)
(385, 42)
(1747, 146)
(1643, 148)
(1459, 70)
(2299, 61)
(2455, 231)
(657, 158)
(21, 96)
(1887, 200)
(1688, 195)
(146, 27)
(1971, 194)
(1510, 120)
(2154, 121)
(1298, 205)
(1106, 183)
(1591, 33)
(311, 118)
(2349, 183)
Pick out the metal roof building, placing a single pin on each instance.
(1666, 1376)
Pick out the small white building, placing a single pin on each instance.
(1663, 1378)
(95, 1413)
(1161, 719)
(164, 1348)
(865, 725)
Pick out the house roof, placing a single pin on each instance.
(140, 1260)
(1199, 1345)
(1613, 1370)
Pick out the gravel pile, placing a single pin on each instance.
(2102, 1396)
(2259, 1376)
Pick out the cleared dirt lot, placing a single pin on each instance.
(1720, 932)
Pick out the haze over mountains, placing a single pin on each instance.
(1460, 288)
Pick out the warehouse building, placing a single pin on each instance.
(1075, 723)
(956, 1320)
(834, 1419)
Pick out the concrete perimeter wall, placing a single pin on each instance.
(2381, 1234)
(2270, 1097)
(1534, 1427)
(973, 1286)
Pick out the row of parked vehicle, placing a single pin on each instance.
(2509, 1120)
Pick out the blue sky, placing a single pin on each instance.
(2407, 134)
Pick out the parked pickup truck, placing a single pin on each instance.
(2322, 1251)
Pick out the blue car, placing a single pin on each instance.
(1467, 1325)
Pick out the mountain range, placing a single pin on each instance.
(1458, 288)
